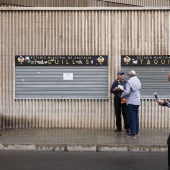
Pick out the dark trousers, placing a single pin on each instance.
(120, 108)
(168, 142)
(133, 118)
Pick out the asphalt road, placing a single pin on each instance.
(30, 160)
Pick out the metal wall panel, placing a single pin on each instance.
(153, 116)
(85, 3)
(37, 82)
(142, 3)
(60, 3)
(78, 32)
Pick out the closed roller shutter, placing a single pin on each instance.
(47, 82)
(153, 79)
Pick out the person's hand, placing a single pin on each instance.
(122, 90)
(160, 102)
(116, 88)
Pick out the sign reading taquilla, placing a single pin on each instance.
(145, 60)
(61, 60)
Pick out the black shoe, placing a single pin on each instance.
(131, 136)
(118, 130)
(127, 131)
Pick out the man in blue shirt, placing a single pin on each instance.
(118, 105)
(132, 93)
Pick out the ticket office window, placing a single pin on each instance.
(152, 72)
(61, 77)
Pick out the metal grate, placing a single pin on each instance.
(39, 82)
(153, 79)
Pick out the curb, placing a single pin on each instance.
(83, 148)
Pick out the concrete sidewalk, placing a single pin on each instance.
(150, 140)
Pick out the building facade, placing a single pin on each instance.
(111, 32)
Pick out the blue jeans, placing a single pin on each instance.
(133, 118)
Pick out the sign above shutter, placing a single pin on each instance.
(61, 60)
(145, 60)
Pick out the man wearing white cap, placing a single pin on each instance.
(132, 93)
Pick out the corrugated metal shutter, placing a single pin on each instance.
(47, 82)
(153, 79)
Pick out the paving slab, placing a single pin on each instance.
(150, 140)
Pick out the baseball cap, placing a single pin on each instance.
(120, 72)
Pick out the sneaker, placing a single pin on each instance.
(131, 136)
(118, 130)
(137, 134)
